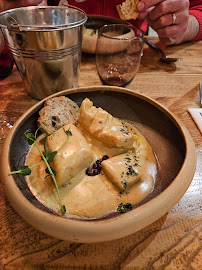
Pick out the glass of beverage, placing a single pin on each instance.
(118, 53)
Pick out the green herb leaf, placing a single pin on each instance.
(49, 155)
(63, 209)
(68, 132)
(123, 208)
(30, 136)
(46, 157)
(25, 170)
(50, 172)
(53, 172)
(94, 32)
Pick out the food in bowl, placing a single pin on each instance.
(176, 163)
(91, 28)
(89, 40)
(100, 164)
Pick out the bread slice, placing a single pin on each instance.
(128, 10)
(57, 112)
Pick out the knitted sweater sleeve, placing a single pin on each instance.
(196, 10)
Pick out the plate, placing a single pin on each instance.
(171, 143)
(95, 23)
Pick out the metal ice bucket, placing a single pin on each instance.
(46, 44)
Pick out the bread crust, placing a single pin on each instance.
(128, 10)
(57, 112)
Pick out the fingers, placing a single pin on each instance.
(164, 7)
(171, 34)
(168, 6)
(142, 15)
(143, 5)
(167, 20)
(168, 32)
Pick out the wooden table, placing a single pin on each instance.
(172, 242)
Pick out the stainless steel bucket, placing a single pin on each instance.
(46, 44)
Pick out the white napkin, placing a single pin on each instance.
(196, 114)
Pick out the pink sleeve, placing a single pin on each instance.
(197, 12)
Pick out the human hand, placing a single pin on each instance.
(8, 4)
(169, 18)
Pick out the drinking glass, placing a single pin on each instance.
(118, 53)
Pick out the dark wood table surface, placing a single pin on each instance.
(173, 241)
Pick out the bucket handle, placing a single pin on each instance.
(15, 31)
(12, 24)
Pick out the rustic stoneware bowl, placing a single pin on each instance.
(95, 22)
(171, 143)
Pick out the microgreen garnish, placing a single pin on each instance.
(49, 173)
(69, 134)
(46, 157)
(30, 136)
(24, 170)
(94, 32)
(49, 155)
(123, 208)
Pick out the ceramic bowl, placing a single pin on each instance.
(95, 23)
(171, 143)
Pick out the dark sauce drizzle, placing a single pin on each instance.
(96, 167)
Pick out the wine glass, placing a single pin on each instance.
(118, 53)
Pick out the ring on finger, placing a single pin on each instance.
(173, 18)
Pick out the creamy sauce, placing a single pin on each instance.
(92, 196)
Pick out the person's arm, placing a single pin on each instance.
(196, 11)
(191, 31)
(194, 29)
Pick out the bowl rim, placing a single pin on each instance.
(108, 229)
(89, 42)
(106, 18)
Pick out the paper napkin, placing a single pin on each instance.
(196, 114)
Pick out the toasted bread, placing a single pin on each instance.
(57, 112)
(128, 10)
